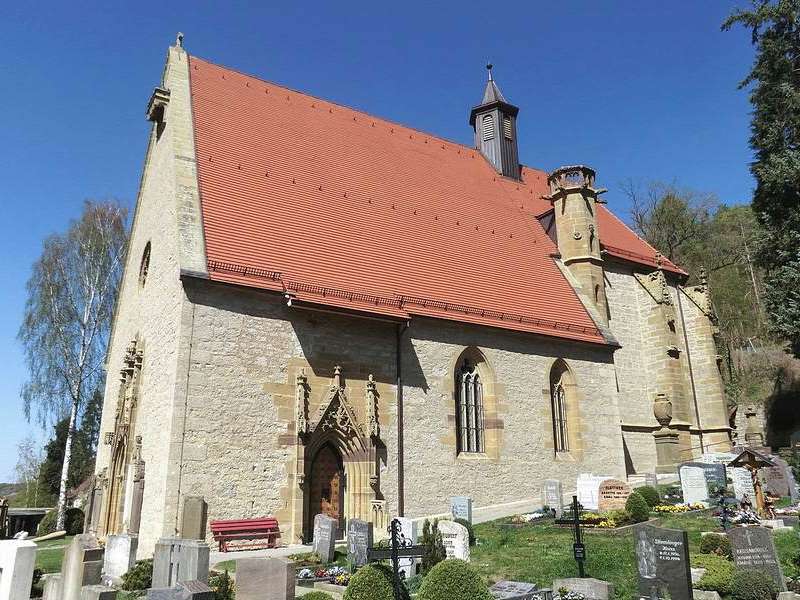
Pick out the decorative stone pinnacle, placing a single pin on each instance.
(337, 376)
(703, 277)
(179, 40)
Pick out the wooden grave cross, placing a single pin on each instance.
(399, 547)
(578, 548)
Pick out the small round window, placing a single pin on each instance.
(144, 267)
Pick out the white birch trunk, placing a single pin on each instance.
(62, 488)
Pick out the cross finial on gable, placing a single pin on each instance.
(179, 40)
(337, 376)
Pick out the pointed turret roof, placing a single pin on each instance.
(492, 96)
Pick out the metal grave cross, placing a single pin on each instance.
(399, 547)
(578, 548)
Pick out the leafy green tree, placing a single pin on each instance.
(81, 463)
(71, 295)
(774, 83)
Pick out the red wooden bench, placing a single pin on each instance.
(262, 528)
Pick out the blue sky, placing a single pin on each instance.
(641, 90)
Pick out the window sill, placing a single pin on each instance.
(565, 457)
(470, 456)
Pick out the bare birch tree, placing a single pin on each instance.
(65, 328)
(29, 464)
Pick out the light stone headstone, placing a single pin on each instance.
(715, 472)
(662, 560)
(51, 590)
(754, 550)
(722, 458)
(591, 588)
(265, 579)
(693, 485)
(410, 530)
(98, 592)
(588, 489)
(17, 560)
(456, 540)
(193, 521)
(82, 565)
(176, 560)
(461, 508)
(514, 590)
(612, 495)
(119, 557)
(359, 540)
(324, 539)
(553, 496)
(742, 483)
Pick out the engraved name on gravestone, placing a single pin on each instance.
(461, 508)
(588, 487)
(742, 483)
(514, 590)
(456, 539)
(754, 550)
(612, 495)
(693, 484)
(662, 560)
(553, 496)
(359, 540)
(715, 472)
(775, 481)
(324, 537)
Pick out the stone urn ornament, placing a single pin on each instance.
(662, 410)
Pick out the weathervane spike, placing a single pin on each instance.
(489, 68)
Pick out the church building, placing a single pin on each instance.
(323, 311)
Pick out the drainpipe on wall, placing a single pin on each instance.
(401, 329)
(691, 372)
(185, 411)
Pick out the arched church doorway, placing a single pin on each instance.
(327, 486)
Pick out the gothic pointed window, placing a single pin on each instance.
(469, 408)
(561, 389)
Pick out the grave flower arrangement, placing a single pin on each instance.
(337, 575)
(529, 517)
(788, 510)
(565, 594)
(744, 517)
(678, 508)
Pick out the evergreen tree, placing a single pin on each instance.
(774, 83)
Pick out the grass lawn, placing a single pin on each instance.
(541, 553)
(50, 553)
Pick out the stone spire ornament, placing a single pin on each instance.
(179, 40)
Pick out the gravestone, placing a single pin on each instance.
(591, 588)
(176, 560)
(359, 539)
(456, 540)
(82, 565)
(98, 592)
(588, 487)
(715, 472)
(754, 550)
(742, 483)
(17, 559)
(265, 579)
(185, 590)
(193, 521)
(324, 537)
(410, 531)
(513, 590)
(51, 589)
(662, 559)
(612, 495)
(722, 458)
(119, 557)
(461, 508)
(693, 484)
(553, 496)
(651, 479)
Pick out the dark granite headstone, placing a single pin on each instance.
(715, 472)
(513, 590)
(359, 540)
(324, 537)
(662, 559)
(754, 550)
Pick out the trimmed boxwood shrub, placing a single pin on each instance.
(637, 508)
(48, 523)
(714, 543)
(140, 577)
(222, 585)
(370, 582)
(650, 494)
(470, 530)
(752, 585)
(718, 575)
(453, 579)
(73, 521)
(317, 596)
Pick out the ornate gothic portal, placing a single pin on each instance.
(337, 465)
(117, 497)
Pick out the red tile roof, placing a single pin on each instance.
(340, 208)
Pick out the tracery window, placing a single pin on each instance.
(561, 388)
(469, 408)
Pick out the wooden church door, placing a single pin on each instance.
(327, 486)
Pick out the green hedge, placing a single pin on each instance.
(637, 508)
(140, 577)
(48, 523)
(650, 494)
(752, 585)
(317, 596)
(718, 575)
(453, 579)
(73, 521)
(370, 582)
(714, 543)
(469, 528)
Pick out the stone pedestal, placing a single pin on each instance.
(265, 579)
(17, 558)
(667, 450)
(193, 521)
(83, 564)
(176, 560)
(119, 557)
